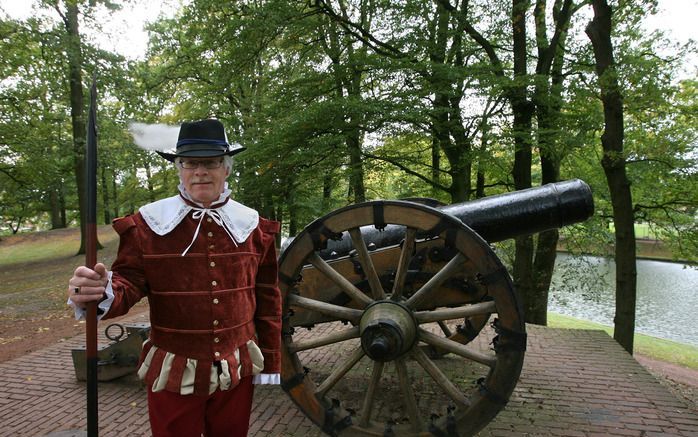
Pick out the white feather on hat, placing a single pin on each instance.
(154, 137)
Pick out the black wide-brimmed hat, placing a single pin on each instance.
(202, 139)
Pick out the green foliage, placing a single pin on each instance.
(294, 82)
(34, 135)
(660, 138)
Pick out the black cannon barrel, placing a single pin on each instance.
(524, 212)
(495, 218)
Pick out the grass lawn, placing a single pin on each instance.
(653, 347)
(46, 245)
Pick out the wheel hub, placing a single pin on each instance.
(388, 330)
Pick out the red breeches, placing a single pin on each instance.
(221, 414)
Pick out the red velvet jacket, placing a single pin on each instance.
(206, 304)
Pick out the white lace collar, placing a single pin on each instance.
(235, 218)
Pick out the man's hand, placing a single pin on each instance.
(87, 285)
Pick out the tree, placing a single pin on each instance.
(613, 162)
(33, 128)
(548, 101)
(534, 259)
(69, 13)
(666, 134)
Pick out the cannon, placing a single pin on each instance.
(400, 320)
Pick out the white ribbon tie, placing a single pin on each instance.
(199, 214)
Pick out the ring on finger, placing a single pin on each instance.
(76, 290)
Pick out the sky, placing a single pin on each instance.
(678, 17)
(125, 33)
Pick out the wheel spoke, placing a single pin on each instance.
(366, 263)
(338, 279)
(456, 313)
(367, 407)
(457, 348)
(336, 311)
(335, 337)
(453, 266)
(339, 372)
(404, 262)
(445, 329)
(440, 378)
(408, 395)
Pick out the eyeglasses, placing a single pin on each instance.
(209, 164)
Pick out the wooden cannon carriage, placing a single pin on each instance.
(400, 320)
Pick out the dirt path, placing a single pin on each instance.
(33, 310)
(20, 337)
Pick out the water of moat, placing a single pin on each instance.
(667, 295)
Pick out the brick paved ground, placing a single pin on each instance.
(574, 383)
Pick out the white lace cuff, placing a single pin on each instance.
(267, 378)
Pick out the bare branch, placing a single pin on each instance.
(361, 34)
(406, 170)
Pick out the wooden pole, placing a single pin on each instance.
(91, 260)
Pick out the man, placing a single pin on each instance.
(207, 266)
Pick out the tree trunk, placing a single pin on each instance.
(547, 98)
(356, 168)
(480, 175)
(55, 208)
(349, 77)
(546, 249)
(447, 129)
(61, 201)
(613, 163)
(440, 106)
(15, 229)
(461, 158)
(279, 218)
(149, 182)
(268, 210)
(522, 124)
(326, 191)
(292, 212)
(543, 267)
(115, 197)
(77, 113)
(354, 135)
(435, 162)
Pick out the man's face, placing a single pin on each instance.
(203, 178)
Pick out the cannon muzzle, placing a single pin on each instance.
(524, 212)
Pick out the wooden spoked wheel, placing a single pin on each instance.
(360, 367)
